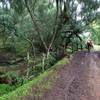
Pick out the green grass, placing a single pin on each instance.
(26, 89)
(6, 88)
(62, 62)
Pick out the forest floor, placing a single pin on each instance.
(80, 80)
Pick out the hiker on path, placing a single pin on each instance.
(89, 44)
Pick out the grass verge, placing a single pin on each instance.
(39, 84)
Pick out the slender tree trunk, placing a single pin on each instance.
(28, 65)
(81, 46)
(77, 46)
(72, 48)
(43, 62)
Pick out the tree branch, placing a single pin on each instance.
(35, 25)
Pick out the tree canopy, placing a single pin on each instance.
(46, 24)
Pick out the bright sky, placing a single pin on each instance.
(78, 8)
(8, 5)
(98, 10)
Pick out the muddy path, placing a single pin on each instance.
(78, 81)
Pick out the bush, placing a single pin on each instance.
(38, 67)
(5, 88)
(8, 87)
(17, 80)
(48, 62)
(9, 49)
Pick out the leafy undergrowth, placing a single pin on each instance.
(5, 88)
(39, 84)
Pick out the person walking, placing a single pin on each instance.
(89, 44)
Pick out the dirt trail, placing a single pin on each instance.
(78, 81)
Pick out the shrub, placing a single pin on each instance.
(6, 88)
(50, 60)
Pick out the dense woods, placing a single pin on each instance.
(35, 34)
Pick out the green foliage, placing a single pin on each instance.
(6, 88)
(38, 68)
(63, 61)
(37, 25)
(95, 28)
(9, 48)
(40, 26)
(24, 90)
(50, 60)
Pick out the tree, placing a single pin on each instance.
(40, 26)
